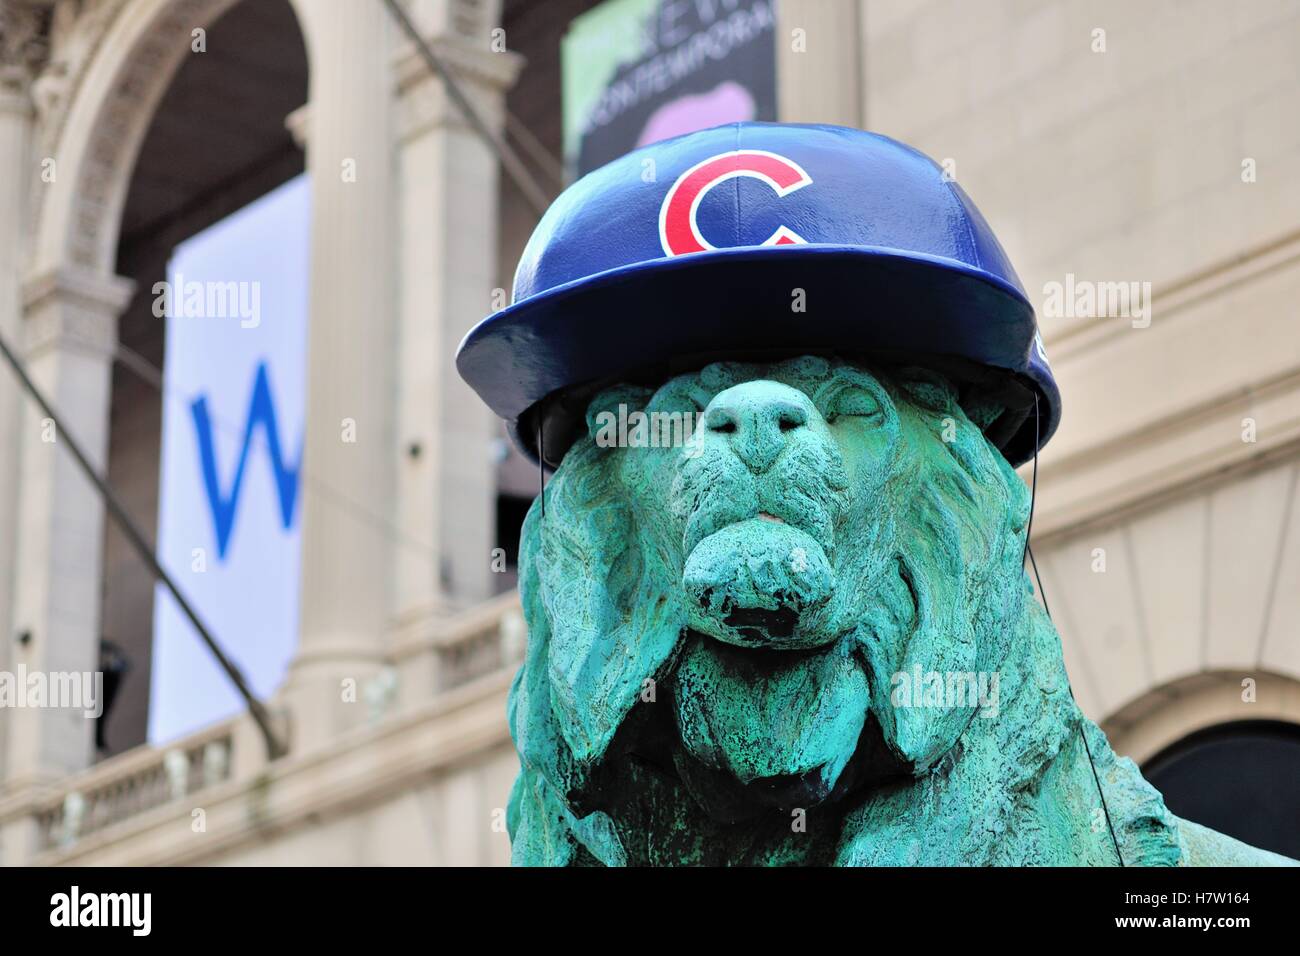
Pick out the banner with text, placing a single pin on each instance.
(639, 71)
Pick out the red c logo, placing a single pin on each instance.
(678, 231)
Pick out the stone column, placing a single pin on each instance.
(819, 68)
(448, 179)
(349, 448)
(15, 138)
(70, 330)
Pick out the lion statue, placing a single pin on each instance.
(798, 631)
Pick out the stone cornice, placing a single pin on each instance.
(1140, 470)
(467, 61)
(1170, 301)
(73, 305)
(1167, 434)
(109, 294)
(423, 103)
(297, 123)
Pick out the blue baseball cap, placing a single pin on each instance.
(758, 240)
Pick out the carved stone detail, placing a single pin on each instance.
(24, 42)
(79, 32)
(76, 308)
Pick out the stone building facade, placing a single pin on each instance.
(1134, 149)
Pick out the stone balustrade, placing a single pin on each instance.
(133, 783)
(65, 820)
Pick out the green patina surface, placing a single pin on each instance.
(806, 638)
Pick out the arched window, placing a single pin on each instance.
(1241, 778)
(216, 144)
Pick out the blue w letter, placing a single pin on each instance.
(260, 410)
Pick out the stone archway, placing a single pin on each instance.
(423, 268)
(95, 102)
(217, 142)
(109, 67)
(1180, 708)
(1224, 750)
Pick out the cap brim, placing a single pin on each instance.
(787, 299)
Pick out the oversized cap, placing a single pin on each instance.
(703, 247)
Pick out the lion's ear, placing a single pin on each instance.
(609, 621)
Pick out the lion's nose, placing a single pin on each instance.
(758, 420)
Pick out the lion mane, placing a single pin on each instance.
(644, 740)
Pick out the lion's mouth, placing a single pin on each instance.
(752, 582)
(759, 625)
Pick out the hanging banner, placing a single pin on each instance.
(639, 71)
(235, 303)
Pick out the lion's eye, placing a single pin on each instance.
(854, 403)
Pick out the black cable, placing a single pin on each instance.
(145, 371)
(1033, 497)
(135, 537)
(533, 194)
(541, 467)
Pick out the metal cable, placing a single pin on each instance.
(274, 747)
(1033, 497)
(534, 195)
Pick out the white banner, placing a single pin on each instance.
(235, 303)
